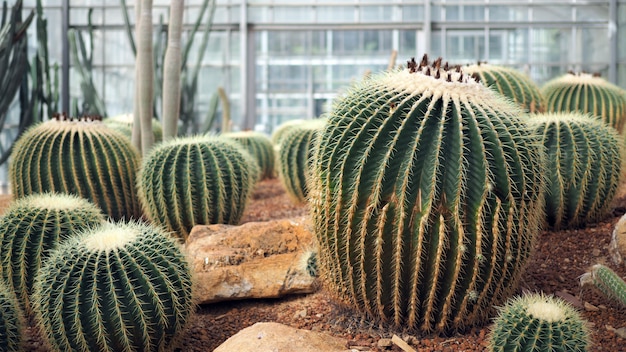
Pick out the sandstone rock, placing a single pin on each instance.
(254, 260)
(617, 247)
(270, 337)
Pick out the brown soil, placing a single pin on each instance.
(559, 259)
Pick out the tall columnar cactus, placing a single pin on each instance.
(583, 167)
(426, 197)
(296, 160)
(259, 147)
(121, 287)
(511, 83)
(78, 156)
(32, 227)
(124, 123)
(611, 285)
(196, 180)
(587, 93)
(11, 321)
(535, 322)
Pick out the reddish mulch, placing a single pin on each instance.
(559, 259)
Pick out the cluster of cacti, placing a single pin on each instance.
(260, 148)
(607, 282)
(587, 93)
(11, 321)
(124, 123)
(196, 180)
(535, 322)
(32, 227)
(77, 156)
(296, 159)
(511, 83)
(583, 167)
(121, 287)
(427, 195)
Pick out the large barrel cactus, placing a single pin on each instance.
(295, 160)
(124, 123)
(196, 180)
(426, 197)
(260, 148)
(11, 321)
(121, 287)
(32, 227)
(511, 83)
(587, 93)
(79, 156)
(583, 167)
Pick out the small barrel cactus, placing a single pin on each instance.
(196, 180)
(260, 148)
(587, 93)
(78, 156)
(124, 123)
(427, 195)
(583, 167)
(11, 321)
(33, 226)
(511, 83)
(611, 285)
(121, 287)
(535, 322)
(296, 160)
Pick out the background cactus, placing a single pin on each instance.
(607, 282)
(196, 180)
(535, 322)
(427, 196)
(511, 83)
(33, 226)
(135, 291)
(124, 123)
(283, 128)
(260, 148)
(77, 156)
(11, 321)
(296, 160)
(583, 167)
(587, 93)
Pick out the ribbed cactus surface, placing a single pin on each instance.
(587, 93)
(77, 156)
(538, 323)
(607, 281)
(426, 197)
(260, 147)
(511, 83)
(32, 227)
(121, 287)
(196, 180)
(583, 167)
(124, 123)
(11, 321)
(296, 160)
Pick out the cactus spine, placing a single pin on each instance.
(32, 227)
(587, 93)
(121, 287)
(426, 198)
(124, 123)
(296, 160)
(77, 156)
(607, 282)
(196, 180)
(583, 167)
(535, 322)
(511, 83)
(260, 148)
(11, 321)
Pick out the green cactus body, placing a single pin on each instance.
(32, 227)
(426, 198)
(196, 180)
(260, 148)
(283, 128)
(511, 83)
(607, 282)
(295, 161)
(587, 93)
(121, 287)
(77, 156)
(124, 124)
(535, 322)
(583, 167)
(11, 321)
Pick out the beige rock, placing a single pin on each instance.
(254, 260)
(617, 247)
(271, 337)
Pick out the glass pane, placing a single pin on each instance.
(412, 13)
(376, 14)
(593, 13)
(292, 14)
(508, 13)
(552, 13)
(335, 14)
